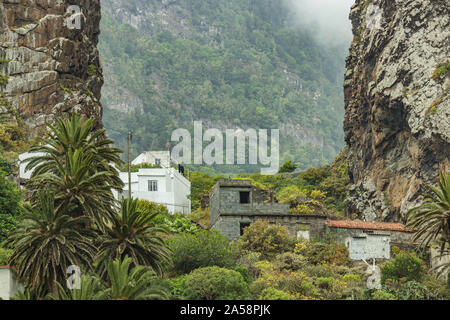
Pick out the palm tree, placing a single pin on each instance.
(431, 219)
(91, 288)
(79, 165)
(135, 284)
(46, 242)
(133, 233)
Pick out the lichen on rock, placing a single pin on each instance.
(395, 140)
(40, 51)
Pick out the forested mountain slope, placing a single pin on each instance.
(229, 63)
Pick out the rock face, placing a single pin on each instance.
(49, 57)
(397, 121)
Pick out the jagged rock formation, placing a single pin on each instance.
(48, 65)
(397, 122)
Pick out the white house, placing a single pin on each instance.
(164, 186)
(159, 158)
(22, 164)
(9, 286)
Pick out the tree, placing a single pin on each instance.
(133, 284)
(10, 206)
(269, 240)
(133, 233)
(202, 249)
(215, 283)
(46, 242)
(123, 283)
(78, 164)
(91, 288)
(288, 166)
(431, 219)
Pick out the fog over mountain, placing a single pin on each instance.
(329, 18)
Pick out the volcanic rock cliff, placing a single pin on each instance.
(397, 121)
(49, 64)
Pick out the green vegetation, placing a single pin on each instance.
(441, 71)
(288, 166)
(136, 250)
(264, 239)
(430, 219)
(215, 283)
(132, 233)
(257, 71)
(405, 266)
(205, 248)
(92, 70)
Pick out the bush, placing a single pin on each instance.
(289, 261)
(383, 295)
(249, 262)
(214, 283)
(405, 266)
(205, 248)
(288, 166)
(267, 240)
(4, 256)
(324, 283)
(177, 286)
(274, 294)
(290, 194)
(413, 290)
(323, 253)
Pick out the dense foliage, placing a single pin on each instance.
(202, 249)
(257, 70)
(215, 283)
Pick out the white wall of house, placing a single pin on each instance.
(22, 173)
(8, 285)
(369, 246)
(172, 188)
(153, 157)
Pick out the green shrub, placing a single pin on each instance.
(351, 278)
(288, 166)
(4, 256)
(405, 266)
(413, 290)
(383, 295)
(202, 249)
(274, 294)
(244, 272)
(323, 253)
(289, 261)
(269, 240)
(214, 283)
(324, 283)
(177, 286)
(308, 289)
(289, 194)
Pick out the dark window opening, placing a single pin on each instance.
(242, 226)
(244, 196)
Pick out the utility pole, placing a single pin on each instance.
(129, 164)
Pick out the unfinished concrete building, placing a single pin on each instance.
(235, 204)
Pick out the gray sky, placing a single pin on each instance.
(331, 17)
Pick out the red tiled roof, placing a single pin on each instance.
(349, 224)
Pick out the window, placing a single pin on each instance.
(243, 225)
(244, 196)
(158, 162)
(152, 185)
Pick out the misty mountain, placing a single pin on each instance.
(230, 63)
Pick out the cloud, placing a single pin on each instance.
(328, 18)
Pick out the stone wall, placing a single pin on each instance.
(51, 68)
(230, 224)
